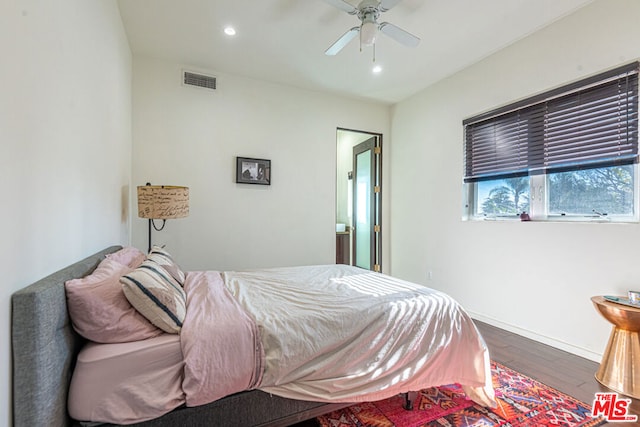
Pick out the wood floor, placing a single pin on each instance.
(564, 371)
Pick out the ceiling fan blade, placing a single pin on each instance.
(342, 5)
(399, 35)
(388, 4)
(342, 41)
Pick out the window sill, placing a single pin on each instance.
(557, 219)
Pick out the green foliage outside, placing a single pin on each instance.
(509, 198)
(592, 191)
(602, 191)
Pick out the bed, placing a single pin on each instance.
(47, 349)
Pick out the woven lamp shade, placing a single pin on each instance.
(163, 201)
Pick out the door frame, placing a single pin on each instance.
(377, 197)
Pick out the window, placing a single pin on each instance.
(597, 192)
(503, 197)
(570, 153)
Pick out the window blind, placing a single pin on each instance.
(590, 123)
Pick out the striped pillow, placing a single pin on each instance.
(157, 295)
(160, 256)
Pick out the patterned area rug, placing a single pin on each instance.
(522, 402)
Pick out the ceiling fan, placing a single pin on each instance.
(368, 11)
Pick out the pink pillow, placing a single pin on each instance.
(99, 310)
(129, 256)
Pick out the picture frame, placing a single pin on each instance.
(253, 171)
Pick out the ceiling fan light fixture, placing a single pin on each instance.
(368, 12)
(368, 33)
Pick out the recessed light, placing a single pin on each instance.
(230, 31)
(377, 69)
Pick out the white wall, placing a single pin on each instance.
(191, 136)
(65, 130)
(533, 278)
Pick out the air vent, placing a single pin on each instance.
(199, 80)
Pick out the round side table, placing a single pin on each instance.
(620, 366)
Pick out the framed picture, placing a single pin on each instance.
(253, 171)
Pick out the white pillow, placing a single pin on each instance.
(160, 256)
(157, 295)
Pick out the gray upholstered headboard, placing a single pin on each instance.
(44, 346)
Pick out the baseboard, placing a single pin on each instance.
(578, 351)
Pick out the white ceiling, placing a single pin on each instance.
(284, 41)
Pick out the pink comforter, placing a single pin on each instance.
(220, 342)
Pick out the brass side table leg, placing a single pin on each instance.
(620, 366)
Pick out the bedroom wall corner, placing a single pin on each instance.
(191, 136)
(536, 277)
(65, 126)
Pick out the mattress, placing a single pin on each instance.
(136, 381)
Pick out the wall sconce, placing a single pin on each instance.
(162, 202)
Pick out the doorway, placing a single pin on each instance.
(359, 199)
